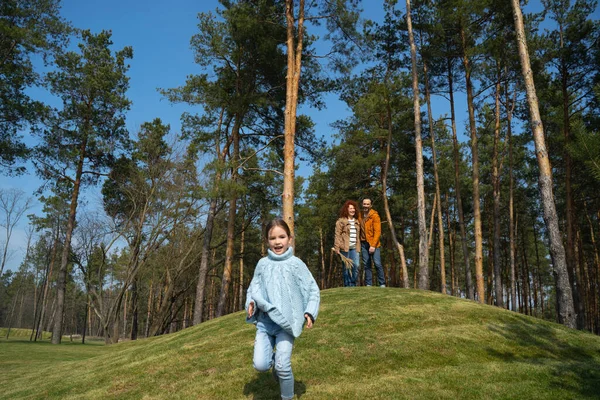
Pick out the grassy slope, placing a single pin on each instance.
(367, 343)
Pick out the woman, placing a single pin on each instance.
(346, 243)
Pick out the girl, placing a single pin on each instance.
(347, 239)
(282, 295)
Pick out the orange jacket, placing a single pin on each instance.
(370, 228)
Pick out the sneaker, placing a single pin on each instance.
(381, 285)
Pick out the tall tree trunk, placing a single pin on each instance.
(511, 212)
(451, 247)
(475, 168)
(184, 322)
(516, 250)
(241, 288)
(322, 247)
(570, 252)
(85, 319)
(461, 216)
(526, 284)
(331, 269)
(490, 254)
(227, 269)
(36, 285)
(496, 193)
(12, 310)
(40, 322)
(20, 313)
(62, 273)
(437, 184)
(423, 253)
(125, 304)
(584, 283)
(597, 291)
(134, 310)
(149, 312)
(208, 232)
(397, 245)
(594, 275)
(294, 63)
(564, 296)
(538, 267)
(52, 317)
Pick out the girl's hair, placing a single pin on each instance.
(344, 209)
(277, 222)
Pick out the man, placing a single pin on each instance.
(370, 232)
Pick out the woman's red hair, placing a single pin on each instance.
(344, 210)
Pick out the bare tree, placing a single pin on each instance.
(13, 204)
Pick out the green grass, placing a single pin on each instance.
(21, 333)
(368, 343)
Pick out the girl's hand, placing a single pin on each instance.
(250, 309)
(309, 323)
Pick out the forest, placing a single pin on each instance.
(473, 127)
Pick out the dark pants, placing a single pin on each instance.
(368, 260)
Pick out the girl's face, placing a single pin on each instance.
(351, 211)
(279, 241)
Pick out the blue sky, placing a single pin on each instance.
(159, 33)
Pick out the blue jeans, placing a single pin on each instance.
(350, 275)
(369, 259)
(269, 335)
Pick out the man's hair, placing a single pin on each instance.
(344, 210)
(367, 198)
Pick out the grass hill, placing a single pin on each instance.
(368, 343)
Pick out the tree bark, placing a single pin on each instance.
(322, 247)
(397, 245)
(134, 310)
(511, 212)
(423, 252)
(564, 296)
(475, 167)
(461, 216)
(451, 247)
(499, 300)
(40, 322)
(62, 273)
(241, 288)
(294, 64)
(227, 269)
(149, 312)
(570, 228)
(437, 184)
(526, 284)
(208, 232)
(594, 277)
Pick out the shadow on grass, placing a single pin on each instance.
(265, 388)
(575, 369)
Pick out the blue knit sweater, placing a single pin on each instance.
(284, 288)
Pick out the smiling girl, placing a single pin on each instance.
(282, 296)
